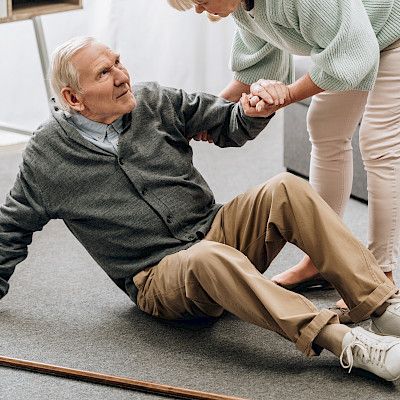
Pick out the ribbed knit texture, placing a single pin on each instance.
(343, 38)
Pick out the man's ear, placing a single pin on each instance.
(73, 99)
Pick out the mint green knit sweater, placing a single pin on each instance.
(343, 38)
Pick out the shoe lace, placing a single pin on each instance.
(374, 354)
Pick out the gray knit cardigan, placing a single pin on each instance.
(130, 210)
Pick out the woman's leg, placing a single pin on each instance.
(332, 119)
(380, 149)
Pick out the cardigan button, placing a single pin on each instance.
(121, 161)
(169, 219)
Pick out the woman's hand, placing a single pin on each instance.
(269, 93)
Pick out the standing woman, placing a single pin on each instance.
(355, 48)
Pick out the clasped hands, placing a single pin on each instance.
(265, 98)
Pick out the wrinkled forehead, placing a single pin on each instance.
(93, 57)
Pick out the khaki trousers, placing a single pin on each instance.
(332, 119)
(224, 271)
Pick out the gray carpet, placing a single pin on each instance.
(63, 309)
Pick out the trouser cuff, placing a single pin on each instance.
(363, 310)
(310, 332)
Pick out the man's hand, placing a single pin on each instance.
(204, 137)
(255, 110)
(268, 94)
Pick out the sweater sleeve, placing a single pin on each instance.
(253, 58)
(22, 214)
(225, 121)
(344, 46)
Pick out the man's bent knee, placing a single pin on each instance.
(213, 259)
(287, 180)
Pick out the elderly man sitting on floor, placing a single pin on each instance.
(114, 163)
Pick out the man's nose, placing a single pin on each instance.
(120, 76)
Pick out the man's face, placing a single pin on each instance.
(105, 86)
(217, 7)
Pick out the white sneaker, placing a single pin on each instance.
(377, 354)
(389, 322)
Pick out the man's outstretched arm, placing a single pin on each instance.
(229, 124)
(21, 215)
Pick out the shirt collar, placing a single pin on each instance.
(97, 130)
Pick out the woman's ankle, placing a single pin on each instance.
(389, 274)
(304, 270)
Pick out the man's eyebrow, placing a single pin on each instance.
(101, 67)
(105, 64)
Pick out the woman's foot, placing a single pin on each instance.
(300, 272)
(301, 277)
(389, 274)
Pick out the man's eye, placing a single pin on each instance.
(104, 72)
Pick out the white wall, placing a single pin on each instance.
(156, 43)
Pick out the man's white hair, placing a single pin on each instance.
(183, 5)
(62, 71)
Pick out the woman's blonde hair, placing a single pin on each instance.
(62, 71)
(184, 5)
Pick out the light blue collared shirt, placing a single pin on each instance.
(102, 135)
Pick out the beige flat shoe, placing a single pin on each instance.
(317, 282)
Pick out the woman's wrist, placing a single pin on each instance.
(303, 88)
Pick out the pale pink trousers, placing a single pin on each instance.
(332, 119)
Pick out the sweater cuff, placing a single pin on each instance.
(327, 82)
